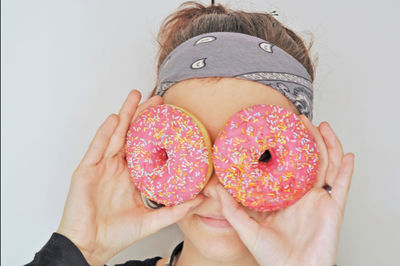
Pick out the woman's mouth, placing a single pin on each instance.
(214, 220)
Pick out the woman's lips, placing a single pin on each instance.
(214, 221)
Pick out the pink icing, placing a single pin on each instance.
(286, 177)
(167, 155)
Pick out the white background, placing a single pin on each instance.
(66, 65)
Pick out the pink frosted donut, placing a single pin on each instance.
(168, 152)
(265, 157)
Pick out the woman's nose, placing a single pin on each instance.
(210, 188)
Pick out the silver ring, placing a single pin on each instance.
(328, 188)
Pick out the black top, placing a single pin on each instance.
(60, 251)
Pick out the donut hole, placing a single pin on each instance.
(164, 154)
(265, 157)
(160, 156)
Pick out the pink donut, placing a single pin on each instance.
(265, 157)
(168, 152)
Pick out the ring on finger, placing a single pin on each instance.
(328, 188)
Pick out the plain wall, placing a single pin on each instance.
(67, 65)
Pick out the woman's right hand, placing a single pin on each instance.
(104, 212)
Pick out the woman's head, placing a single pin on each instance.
(213, 100)
(192, 19)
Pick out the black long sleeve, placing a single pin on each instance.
(61, 251)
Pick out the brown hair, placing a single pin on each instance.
(192, 19)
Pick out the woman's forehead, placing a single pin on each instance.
(213, 102)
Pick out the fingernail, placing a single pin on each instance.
(327, 126)
(152, 99)
(330, 128)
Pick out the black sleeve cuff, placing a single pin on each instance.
(59, 251)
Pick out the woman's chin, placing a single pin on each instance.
(218, 243)
(223, 249)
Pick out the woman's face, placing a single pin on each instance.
(213, 103)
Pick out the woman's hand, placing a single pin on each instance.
(104, 213)
(307, 232)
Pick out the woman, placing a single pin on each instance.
(104, 212)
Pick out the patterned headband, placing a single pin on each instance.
(238, 55)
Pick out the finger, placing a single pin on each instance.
(155, 100)
(341, 185)
(246, 227)
(335, 152)
(126, 113)
(337, 139)
(160, 218)
(323, 153)
(101, 140)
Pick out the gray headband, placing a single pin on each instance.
(238, 55)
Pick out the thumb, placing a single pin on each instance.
(245, 226)
(160, 218)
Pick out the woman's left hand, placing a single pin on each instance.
(306, 232)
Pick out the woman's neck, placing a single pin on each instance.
(190, 256)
